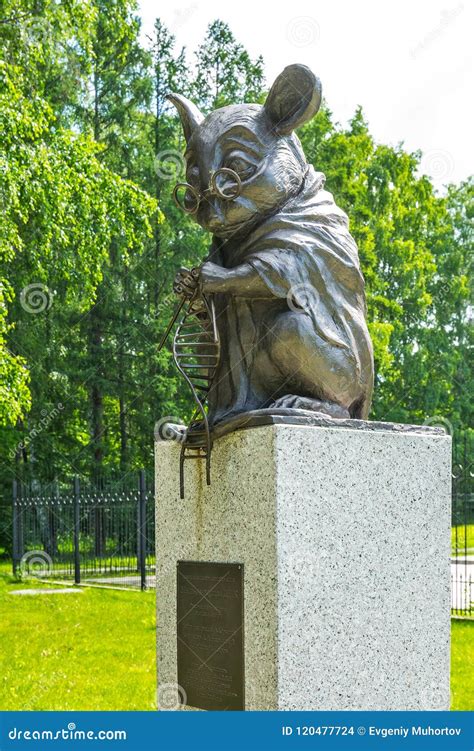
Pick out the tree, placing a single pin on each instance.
(226, 74)
(118, 88)
(48, 44)
(168, 74)
(79, 219)
(407, 246)
(62, 209)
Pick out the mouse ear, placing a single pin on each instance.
(188, 113)
(294, 98)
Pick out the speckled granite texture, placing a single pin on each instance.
(345, 539)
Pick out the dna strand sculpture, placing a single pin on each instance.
(196, 353)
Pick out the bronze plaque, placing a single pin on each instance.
(210, 615)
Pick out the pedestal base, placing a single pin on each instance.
(343, 537)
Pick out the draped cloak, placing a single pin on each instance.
(307, 258)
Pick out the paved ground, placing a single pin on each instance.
(59, 591)
(121, 581)
(462, 578)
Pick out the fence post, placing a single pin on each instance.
(15, 540)
(77, 532)
(142, 529)
(18, 539)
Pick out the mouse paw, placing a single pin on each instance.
(331, 409)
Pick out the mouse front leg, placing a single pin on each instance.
(241, 281)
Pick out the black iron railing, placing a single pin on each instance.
(104, 532)
(462, 520)
(100, 532)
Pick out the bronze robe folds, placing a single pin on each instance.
(279, 345)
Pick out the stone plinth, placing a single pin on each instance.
(344, 540)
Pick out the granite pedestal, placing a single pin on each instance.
(341, 543)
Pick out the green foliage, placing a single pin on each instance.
(414, 253)
(15, 396)
(45, 45)
(62, 211)
(89, 146)
(62, 208)
(118, 83)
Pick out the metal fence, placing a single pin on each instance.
(104, 533)
(462, 520)
(100, 533)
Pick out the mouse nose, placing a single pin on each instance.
(210, 213)
(213, 224)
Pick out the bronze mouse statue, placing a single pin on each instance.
(283, 270)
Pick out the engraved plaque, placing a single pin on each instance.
(210, 633)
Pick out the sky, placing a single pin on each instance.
(409, 64)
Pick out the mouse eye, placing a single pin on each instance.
(243, 168)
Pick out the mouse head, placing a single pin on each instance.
(244, 161)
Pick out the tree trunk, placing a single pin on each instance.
(157, 146)
(95, 343)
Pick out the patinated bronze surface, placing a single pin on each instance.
(283, 268)
(282, 276)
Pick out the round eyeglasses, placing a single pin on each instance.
(224, 183)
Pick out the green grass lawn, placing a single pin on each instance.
(93, 650)
(96, 650)
(462, 661)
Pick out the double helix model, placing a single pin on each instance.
(196, 352)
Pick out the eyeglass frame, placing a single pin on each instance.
(213, 189)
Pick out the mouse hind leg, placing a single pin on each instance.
(316, 375)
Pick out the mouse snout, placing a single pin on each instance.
(211, 214)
